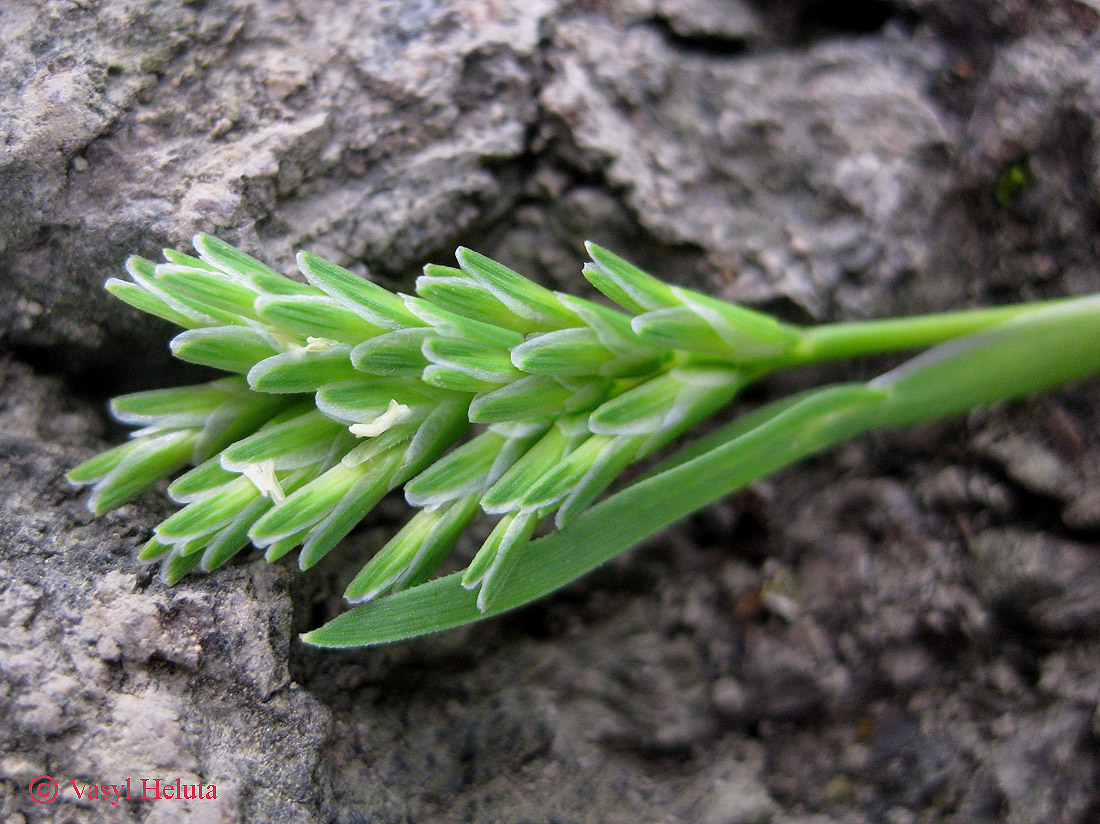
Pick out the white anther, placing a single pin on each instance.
(263, 478)
(394, 414)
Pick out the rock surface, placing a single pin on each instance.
(903, 630)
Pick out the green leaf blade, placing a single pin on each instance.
(614, 525)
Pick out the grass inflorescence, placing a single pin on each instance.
(487, 393)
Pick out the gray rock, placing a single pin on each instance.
(1046, 583)
(1034, 466)
(737, 795)
(368, 133)
(768, 164)
(1023, 757)
(713, 22)
(105, 677)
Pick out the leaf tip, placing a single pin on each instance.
(314, 638)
